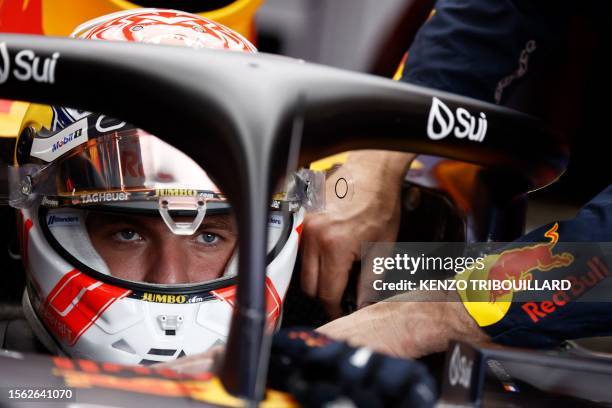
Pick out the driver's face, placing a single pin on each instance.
(143, 249)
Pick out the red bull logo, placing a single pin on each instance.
(518, 264)
(597, 271)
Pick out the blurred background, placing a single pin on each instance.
(341, 33)
(371, 36)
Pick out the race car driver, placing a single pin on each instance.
(485, 50)
(129, 247)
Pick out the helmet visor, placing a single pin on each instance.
(122, 166)
(128, 205)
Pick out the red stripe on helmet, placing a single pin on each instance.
(299, 229)
(76, 302)
(25, 240)
(273, 300)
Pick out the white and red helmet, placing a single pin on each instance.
(157, 26)
(96, 190)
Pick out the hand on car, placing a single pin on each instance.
(408, 329)
(332, 239)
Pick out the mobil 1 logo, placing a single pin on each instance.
(50, 148)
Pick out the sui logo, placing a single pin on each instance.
(28, 66)
(460, 370)
(443, 122)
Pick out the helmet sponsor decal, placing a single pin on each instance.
(62, 220)
(275, 221)
(180, 192)
(50, 148)
(442, 122)
(163, 298)
(48, 202)
(172, 299)
(185, 192)
(75, 303)
(103, 197)
(28, 66)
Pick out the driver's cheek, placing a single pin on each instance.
(208, 263)
(125, 263)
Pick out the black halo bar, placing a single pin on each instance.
(233, 113)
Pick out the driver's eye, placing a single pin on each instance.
(208, 238)
(127, 236)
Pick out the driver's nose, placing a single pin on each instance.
(168, 262)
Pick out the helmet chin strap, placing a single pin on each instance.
(37, 327)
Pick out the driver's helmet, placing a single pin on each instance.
(130, 248)
(59, 17)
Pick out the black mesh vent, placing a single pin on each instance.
(146, 362)
(161, 352)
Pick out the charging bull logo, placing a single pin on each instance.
(518, 264)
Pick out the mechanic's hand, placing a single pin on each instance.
(196, 364)
(332, 239)
(406, 329)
